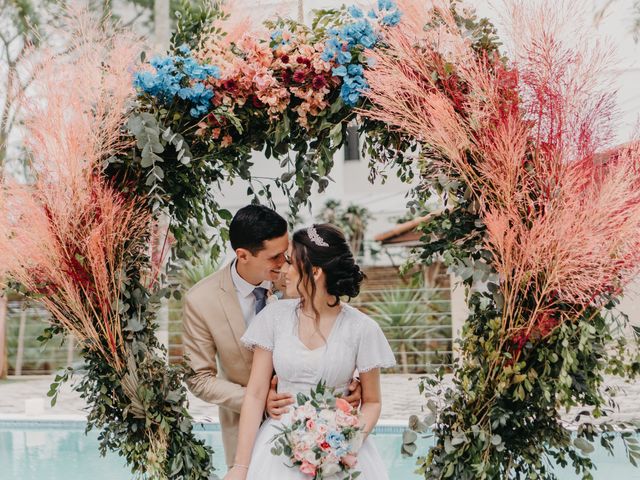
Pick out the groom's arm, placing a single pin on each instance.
(201, 350)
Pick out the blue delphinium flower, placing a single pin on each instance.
(355, 70)
(344, 56)
(276, 36)
(340, 71)
(335, 439)
(391, 19)
(170, 77)
(355, 12)
(352, 88)
(359, 33)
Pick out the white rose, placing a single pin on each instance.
(310, 456)
(330, 469)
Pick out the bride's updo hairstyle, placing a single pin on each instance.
(324, 246)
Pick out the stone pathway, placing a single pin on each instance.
(400, 399)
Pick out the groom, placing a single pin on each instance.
(217, 311)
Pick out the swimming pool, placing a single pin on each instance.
(59, 450)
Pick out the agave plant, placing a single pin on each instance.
(403, 315)
(195, 271)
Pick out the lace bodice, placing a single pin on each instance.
(356, 342)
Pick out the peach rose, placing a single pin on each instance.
(307, 468)
(343, 405)
(349, 460)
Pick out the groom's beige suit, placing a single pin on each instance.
(213, 325)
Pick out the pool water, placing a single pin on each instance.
(61, 451)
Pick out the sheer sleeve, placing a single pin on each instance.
(373, 348)
(261, 331)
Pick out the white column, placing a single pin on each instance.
(4, 354)
(630, 304)
(459, 311)
(162, 26)
(162, 34)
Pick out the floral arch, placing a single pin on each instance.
(113, 164)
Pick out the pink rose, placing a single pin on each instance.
(342, 404)
(353, 421)
(307, 468)
(349, 460)
(311, 425)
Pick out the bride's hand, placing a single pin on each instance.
(236, 473)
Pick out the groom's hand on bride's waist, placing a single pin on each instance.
(277, 403)
(355, 393)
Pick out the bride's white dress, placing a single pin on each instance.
(356, 342)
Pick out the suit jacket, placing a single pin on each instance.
(213, 325)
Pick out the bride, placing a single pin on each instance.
(313, 338)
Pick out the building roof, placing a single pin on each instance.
(406, 233)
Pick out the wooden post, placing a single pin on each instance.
(4, 354)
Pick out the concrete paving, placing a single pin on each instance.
(26, 396)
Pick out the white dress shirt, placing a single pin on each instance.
(245, 294)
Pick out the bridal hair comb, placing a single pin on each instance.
(315, 237)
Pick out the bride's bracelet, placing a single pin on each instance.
(241, 466)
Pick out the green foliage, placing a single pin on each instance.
(352, 220)
(501, 417)
(141, 413)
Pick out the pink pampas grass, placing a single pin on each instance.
(562, 225)
(69, 237)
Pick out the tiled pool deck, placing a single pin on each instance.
(400, 399)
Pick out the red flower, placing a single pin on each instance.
(230, 85)
(255, 101)
(298, 76)
(213, 120)
(284, 58)
(546, 324)
(325, 446)
(519, 340)
(286, 77)
(319, 82)
(303, 61)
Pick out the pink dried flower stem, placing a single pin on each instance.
(69, 237)
(562, 227)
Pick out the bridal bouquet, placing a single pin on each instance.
(324, 436)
